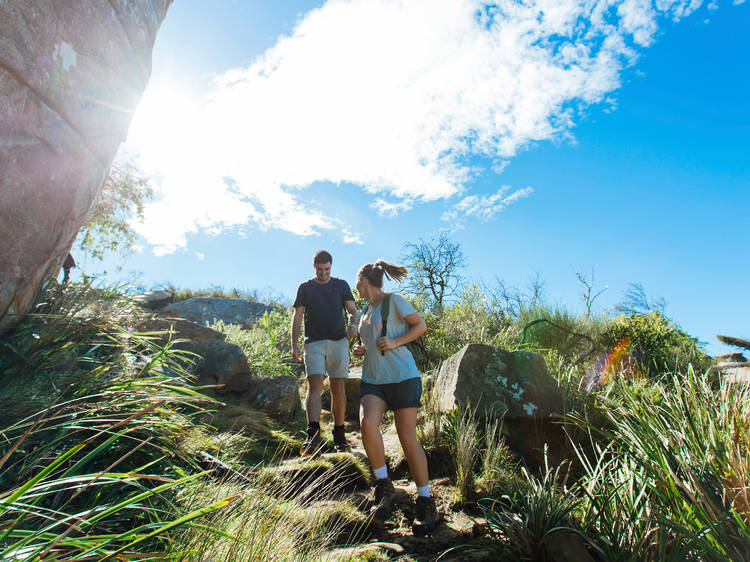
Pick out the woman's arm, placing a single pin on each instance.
(417, 327)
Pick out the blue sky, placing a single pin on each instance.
(553, 136)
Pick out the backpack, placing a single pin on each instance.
(416, 347)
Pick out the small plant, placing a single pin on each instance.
(498, 466)
(461, 433)
(266, 343)
(523, 522)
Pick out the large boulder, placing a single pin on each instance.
(207, 310)
(152, 300)
(71, 75)
(516, 386)
(277, 397)
(220, 363)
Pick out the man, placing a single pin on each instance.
(320, 301)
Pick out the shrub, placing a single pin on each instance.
(470, 320)
(656, 344)
(266, 344)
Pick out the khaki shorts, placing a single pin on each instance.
(327, 357)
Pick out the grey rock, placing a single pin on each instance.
(71, 75)
(153, 299)
(220, 363)
(224, 364)
(277, 397)
(515, 385)
(728, 358)
(207, 310)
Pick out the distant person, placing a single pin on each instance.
(68, 264)
(391, 380)
(321, 301)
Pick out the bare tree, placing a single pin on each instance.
(588, 293)
(636, 301)
(510, 302)
(434, 268)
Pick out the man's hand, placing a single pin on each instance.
(296, 354)
(352, 331)
(386, 344)
(358, 350)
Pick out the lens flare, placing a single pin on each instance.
(619, 362)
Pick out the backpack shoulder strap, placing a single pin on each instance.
(385, 308)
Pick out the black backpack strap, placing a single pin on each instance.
(385, 308)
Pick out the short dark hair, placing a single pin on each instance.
(322, 256)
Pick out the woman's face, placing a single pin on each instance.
(362, 286)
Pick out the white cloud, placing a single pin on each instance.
(351, 237)
(484, 208)
(391, 208)
(389, 95)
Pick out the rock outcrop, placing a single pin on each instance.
(277, 397)
(207, 310)
(225, 364)
(515, 385)
(71, 75)
(219, 362)
(152, 300)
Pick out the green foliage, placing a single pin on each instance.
(461, 433)
(103, 450)
(108, 227)
(471, 319)
(671, 478)
(655, 343)
(548, 328)
(266, 344)
(523, 522)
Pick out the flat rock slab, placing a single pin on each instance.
(207, 310)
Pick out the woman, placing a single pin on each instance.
(390, 380)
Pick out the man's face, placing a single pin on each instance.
(322, 272)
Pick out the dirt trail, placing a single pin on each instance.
(394, 538)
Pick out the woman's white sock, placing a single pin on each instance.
(424, 491)
(381, 472)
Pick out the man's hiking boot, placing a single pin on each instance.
(313, 444)
(384, 493)
(427, 516)
(339, 439)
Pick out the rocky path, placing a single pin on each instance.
(394, 538)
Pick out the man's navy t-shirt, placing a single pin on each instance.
(324, 319)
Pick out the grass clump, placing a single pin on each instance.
(266, 343)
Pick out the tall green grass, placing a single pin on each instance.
(99, 432)
(671, 478)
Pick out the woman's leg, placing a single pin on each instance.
(406, 426)
(371, 412)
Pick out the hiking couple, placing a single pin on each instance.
(390, 378)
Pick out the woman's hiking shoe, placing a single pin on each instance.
(339, 439)
(384, 493)
(313, 444)
(427, 516)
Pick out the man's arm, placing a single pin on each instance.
(353, 319)
(299, 314)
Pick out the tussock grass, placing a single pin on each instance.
(261, 526)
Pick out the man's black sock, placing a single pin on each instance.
(338, 426)
(313, 425)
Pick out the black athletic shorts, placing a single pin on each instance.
(397, 395)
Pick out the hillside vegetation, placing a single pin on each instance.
(106, 441)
